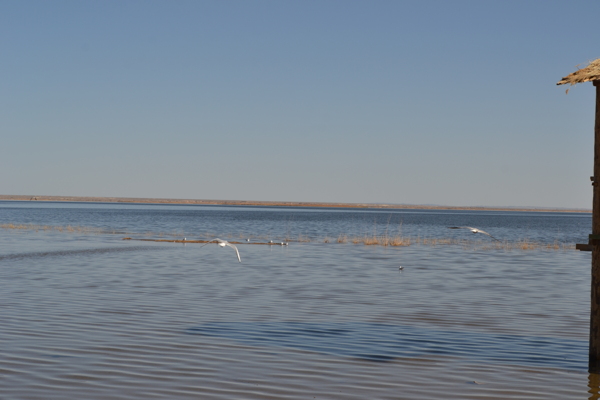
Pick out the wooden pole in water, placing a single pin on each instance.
(594, 356)
(591, 73)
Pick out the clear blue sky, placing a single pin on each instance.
(408, 102)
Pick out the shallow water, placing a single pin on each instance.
(314, 223)
(88, 315)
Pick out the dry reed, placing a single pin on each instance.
(367, 240)
(302, 238)
(378, 240)
(589, 73)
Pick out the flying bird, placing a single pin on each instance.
(474, 230)
(224, 243)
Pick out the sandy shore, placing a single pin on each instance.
(271, 203)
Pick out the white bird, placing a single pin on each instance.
(224, 243)
(474, 230)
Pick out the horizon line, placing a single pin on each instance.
(317, 204)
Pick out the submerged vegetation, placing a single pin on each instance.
(68, 228)
(385, 240)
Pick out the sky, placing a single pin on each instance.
(398, 102)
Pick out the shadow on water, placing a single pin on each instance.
(66, 253)
(385, 342)
(594, 386)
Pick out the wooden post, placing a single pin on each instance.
(594, 355)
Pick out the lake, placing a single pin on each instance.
(86, 314)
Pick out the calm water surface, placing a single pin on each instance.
(86, 314)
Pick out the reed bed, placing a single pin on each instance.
(523, 244)
(384, 240)
(375, 240)
(398, 240)
(301, 239)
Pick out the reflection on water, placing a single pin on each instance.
(594, 385)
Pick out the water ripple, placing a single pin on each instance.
(385, 342)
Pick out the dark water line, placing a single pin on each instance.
(385, 342)
(66, 253)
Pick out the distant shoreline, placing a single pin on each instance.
(85, 199)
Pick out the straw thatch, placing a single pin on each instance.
(587, 74)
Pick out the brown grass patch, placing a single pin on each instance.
(370, 240)
(378, 240)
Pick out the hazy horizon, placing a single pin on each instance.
(44, 198)
(392, 102)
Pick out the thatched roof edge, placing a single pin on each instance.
(587, 74)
